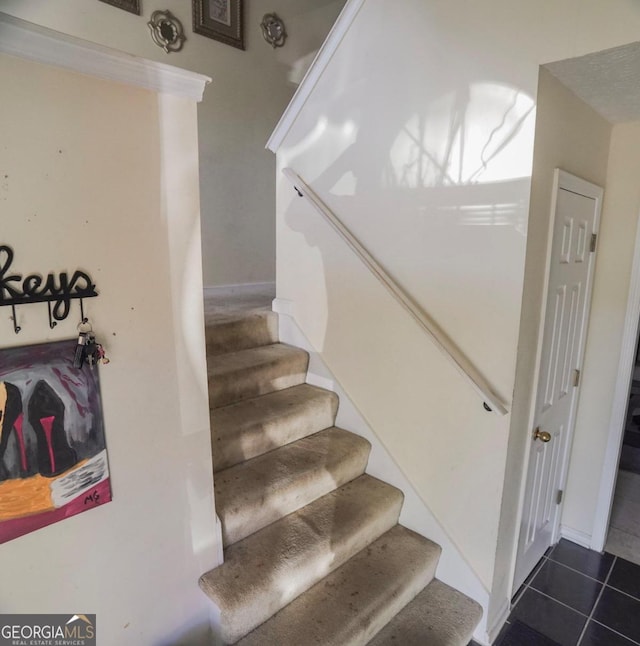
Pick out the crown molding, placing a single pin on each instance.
(40, 44)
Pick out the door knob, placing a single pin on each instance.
(543, 436)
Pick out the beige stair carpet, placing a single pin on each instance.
(254, 494)
(438, 616)
(255, 371)
(352, 604)
(314, 554)
(239, 330)
(246, 429)
(264, 572)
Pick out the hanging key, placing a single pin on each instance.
(80, 353)
(91, 350)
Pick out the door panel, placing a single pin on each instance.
(568, 300)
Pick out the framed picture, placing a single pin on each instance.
(220, 20)
(128, 5)
(53, 455)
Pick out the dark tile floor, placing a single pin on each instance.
(576, 597)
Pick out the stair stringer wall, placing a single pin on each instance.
(453, 569)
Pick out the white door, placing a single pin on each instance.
(570, 277)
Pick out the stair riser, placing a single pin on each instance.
(259, 380)
(300, 566)
(237, 434)
(249, 331)
(307, 470)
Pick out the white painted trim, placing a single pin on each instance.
(534, 382)
(619, 406)
(438, 336)
(576, 536)
(32, 42)
(494, 630)
(315, 71)
(283, 306)
(241, 289)
(453, 568)
(578, 185)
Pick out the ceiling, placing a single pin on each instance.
(608, 81)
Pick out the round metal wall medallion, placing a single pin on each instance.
(273, 30)
(166, 31)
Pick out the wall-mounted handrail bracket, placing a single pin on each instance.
(491, 401)
(56, 291)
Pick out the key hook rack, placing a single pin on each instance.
(56, 291)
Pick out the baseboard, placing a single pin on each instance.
(258, 289)
(494, 630)
(453, 569)
(576, 536)
(283, 306)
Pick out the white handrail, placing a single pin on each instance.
(438, 336)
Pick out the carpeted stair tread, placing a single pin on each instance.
(230, 332)
(251, 495)
(348, 607)
(438, 616)
(249, 428)
(267, 570)
(254, 372)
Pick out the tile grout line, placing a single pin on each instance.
(626, 594)
(588, 618)
(529, 585)
(595, 605)
(595, 621)
(526, 586)
(561, 603)
(578, 571)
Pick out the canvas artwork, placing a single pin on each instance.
(53, 458)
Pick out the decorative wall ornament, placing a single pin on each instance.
(53, 456)
(56, 291)
(220, 19)
(166, 31)
(273, 30)
(128, 5)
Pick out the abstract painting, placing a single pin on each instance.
(53, 457)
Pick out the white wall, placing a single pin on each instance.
(610, 292)
(570, 136)
(446, 210)
(250, 89)
(104, 177)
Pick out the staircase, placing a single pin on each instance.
(314, 554)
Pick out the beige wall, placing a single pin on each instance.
(445, 209)
(610, 293)
(250, 90)
(570, 136)
(104, 177)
